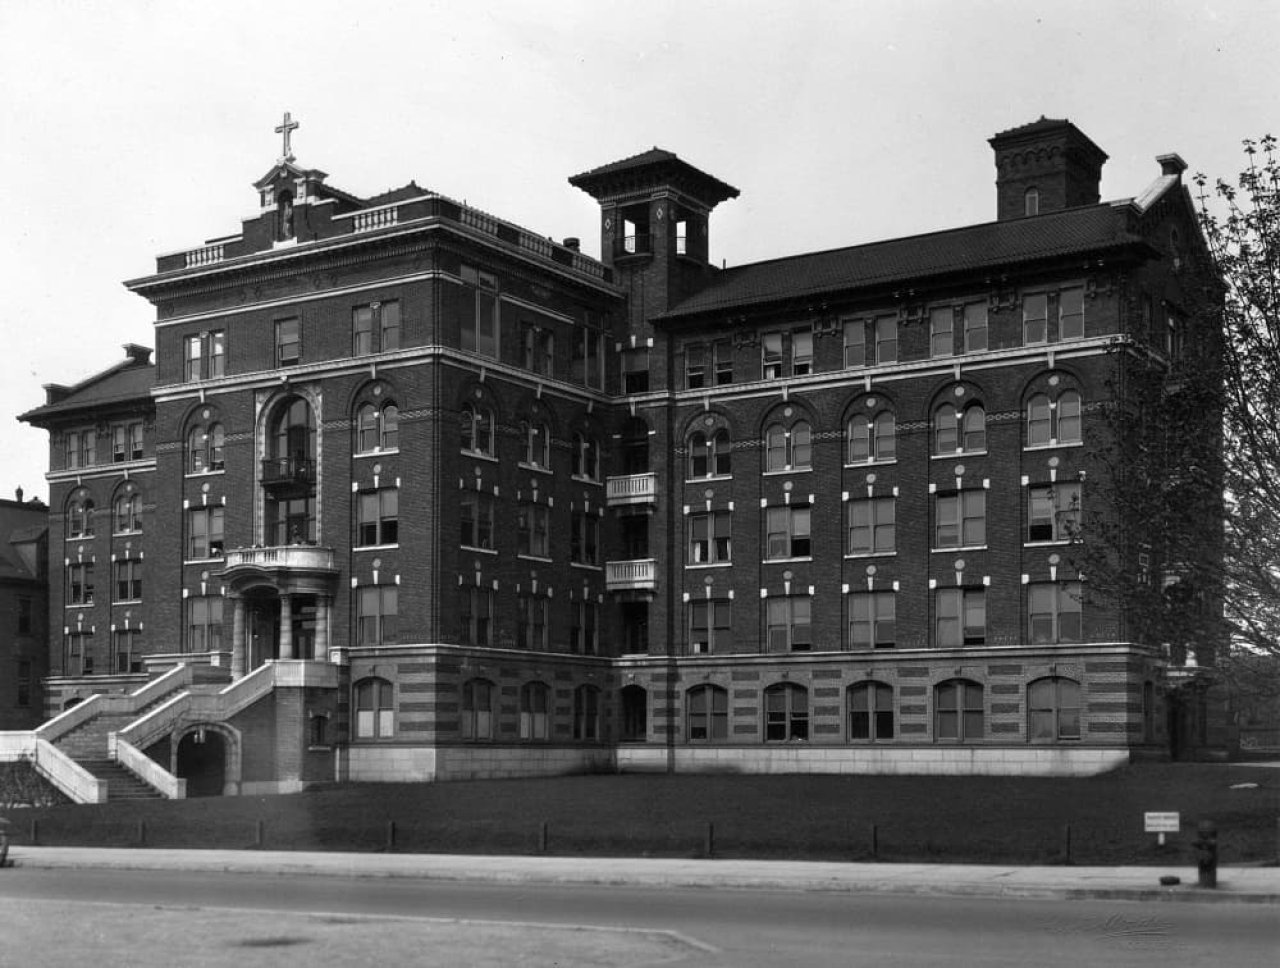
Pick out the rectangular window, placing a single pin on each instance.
(710, 626)
(377, 611)
(1071, 313)
(635, 370)
(362, 331)
(480, 327)
(533, 530)
(379, 513)
(695, 366)
(128, 653)
(787, 531)
(788, 628)
(135, 441)
(872, 526)
(80, 583)
(476, 612)
(24, 683)
(477, 520)
(886, 340)
(531, 630)
(119, 443)
(79, 448)
(872, 620)
(855, 342)
(1053, 512)
(1054, 612)
(584, 539)
(204, 623)
(375, 328)
(771, 356)
(204, 532)
(288, 341)
(26, 615)
(584, 635)
(205, 356)
(79, 656)
(708, 364)
(801, 352)
(1035, 319)
(722, 362)
(538, 344)
(128, 580)
(710, 537)
(961, 617)
(942, 331)
(588, 357)
(975, 327)
(961, 519)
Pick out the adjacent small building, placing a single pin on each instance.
(412, 493)
(24, 611)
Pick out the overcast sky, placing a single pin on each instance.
(130, 128)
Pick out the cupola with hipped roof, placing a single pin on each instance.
(1045, 166)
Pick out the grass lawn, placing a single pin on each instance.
(940, 819)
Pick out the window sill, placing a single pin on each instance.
(586, 480)
(708, 479)
(952, 455)
(480, 455)
(1054, 445)
(533, 467)
(710, 564)
(788, 470)
(952, 549)
(79, 537)
(1055, 543)
(888, 461)
(478, 550)
(80, 605)
(527, 557)
(126, 534)
(378, 452)
(586, 566)
(377, 547)
(853, 555)
(203, 561)
(211, 472)
(785, 561)
(127, 601)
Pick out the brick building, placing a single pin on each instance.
(24, 572)
(411, 492)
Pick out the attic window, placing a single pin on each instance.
(1031, 202)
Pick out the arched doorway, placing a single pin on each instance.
(202, 762)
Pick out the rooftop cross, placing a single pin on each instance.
(286, 129)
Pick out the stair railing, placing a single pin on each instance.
(67, 775)
(148, 770)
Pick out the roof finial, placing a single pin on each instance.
(287, 128)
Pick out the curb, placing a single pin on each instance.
(658, 880)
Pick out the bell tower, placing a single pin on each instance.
(654, 215)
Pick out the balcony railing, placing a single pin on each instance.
(639, 574)
(632, 489)
(376, 218)
(205, 256)
(306, 557)
(288, 470)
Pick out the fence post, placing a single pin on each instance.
(875, 842)
(391, 835)
(1066, 845)
(142, 833)
(709, 842)
(542, 838)
(259, 833)
(35, 832)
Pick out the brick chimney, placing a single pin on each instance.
(1045, 166)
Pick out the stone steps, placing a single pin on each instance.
(121, 784)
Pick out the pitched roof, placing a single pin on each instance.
(653, 166)
(129, 380)
(970, 249)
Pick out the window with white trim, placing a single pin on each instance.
(710, 537)
(872, 525)
(477, 715)
(960, 617)
(787, 623)
(960, 519)
(378, 517)
(1053, 709)
(787, 531)
(872, 620)
(479, 333)
(477, 430)
(707, 713)
(958, 711)
(476, 513)
(788, 448)
(710, 625)
(533, 530)
(377, 614)
(1053, 512)
(872, 439)
(534, 706)
(786, 713)
(1054, 612)
(870, 710)
(374, 708)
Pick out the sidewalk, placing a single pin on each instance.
(1259, 885)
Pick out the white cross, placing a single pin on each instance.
(286, 129)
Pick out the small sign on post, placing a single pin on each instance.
(1161, 822)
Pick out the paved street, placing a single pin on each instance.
(164, 917)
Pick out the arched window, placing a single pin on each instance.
(1068, 411)
(293, 433)
(1054, 422)
(786, 449)
(786, 712)
(586, 713)
(870, 711)
(377, 428)
(1053, 709)
(477, 430)
(128, 513)
(959, 431)
(537, 445)
(958, 711)
(80, 516)
(204, 449)
(710, 456)
(289, 474)
(707, 714)
(477, 709)
(375, 714)
(635, 710)
(586, 457)
(533, 710)
(872, 438)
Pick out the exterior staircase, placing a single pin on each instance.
(87, 745)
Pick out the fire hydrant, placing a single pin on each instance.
(1206, 845)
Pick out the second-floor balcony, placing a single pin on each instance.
(632, 489)
(296, 557)
(639, 574)
(288, 471)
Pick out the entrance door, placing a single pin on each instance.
(264, 631)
